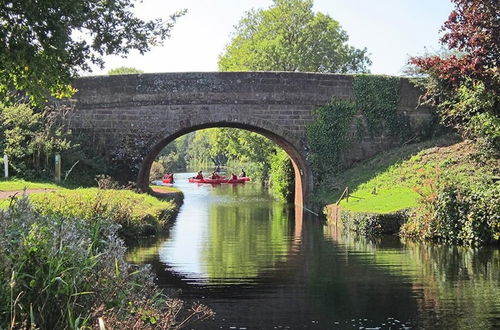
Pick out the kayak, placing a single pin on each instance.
(218, 181)
(167, 180)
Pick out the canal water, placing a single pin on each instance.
(261, 264)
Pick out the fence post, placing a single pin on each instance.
(57, 172)
(6, 165)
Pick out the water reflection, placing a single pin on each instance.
(261, 264)
(455, 287)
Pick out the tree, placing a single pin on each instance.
(30, 137)
(464, 87)
(43, 44)
(289, 36)
(124, 70)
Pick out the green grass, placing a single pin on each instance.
(385, 201)
(390, 181)
(20, 184)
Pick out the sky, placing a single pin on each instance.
(391, 30)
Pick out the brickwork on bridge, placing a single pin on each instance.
(275, 104)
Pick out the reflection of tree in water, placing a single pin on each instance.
(459, 286)
(246, 240)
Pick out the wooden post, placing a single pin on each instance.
(6, 165)
(57, 172)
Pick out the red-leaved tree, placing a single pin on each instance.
(464, 87)
(473, 28)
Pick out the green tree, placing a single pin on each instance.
(124, 70)
(29, 138)
(43, 44)
(289, 36)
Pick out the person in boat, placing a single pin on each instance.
(215, 175)
(199, 175)
(233, 176)
(171, 177)
(243, 174)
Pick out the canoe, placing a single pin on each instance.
(217, 181)
(167, 180)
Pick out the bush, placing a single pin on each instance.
(485, 127)
(457, 212)
(60, 273)
(281, 176)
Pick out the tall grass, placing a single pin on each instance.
(68, 273)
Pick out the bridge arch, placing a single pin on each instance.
(278, 105)
(277, 134)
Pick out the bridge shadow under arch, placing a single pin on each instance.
(303, 174)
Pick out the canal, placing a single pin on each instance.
(262, 264)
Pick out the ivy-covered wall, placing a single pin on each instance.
(344, 126)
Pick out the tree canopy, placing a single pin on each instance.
(472, 29)
(124, 70)
(289, 36)
(464, 87)
(43, 44)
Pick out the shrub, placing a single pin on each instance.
(458, 212)
(60, 273)
(281, 176)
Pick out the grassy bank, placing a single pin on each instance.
(429, 177)
(138, 214)
(386, 182)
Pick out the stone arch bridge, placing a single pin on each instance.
(277, 105)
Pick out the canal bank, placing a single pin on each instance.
(441, 190)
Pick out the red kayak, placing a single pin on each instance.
(169, 180)
(218, 181)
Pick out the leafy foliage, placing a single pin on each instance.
(377, 98)
(45, 284)
(241, 148)
(456, 211)
(29, 138)
(124, 70)
(289, 36)
(465, 86)
(328, 135)
(44, 44)
(280, 174)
